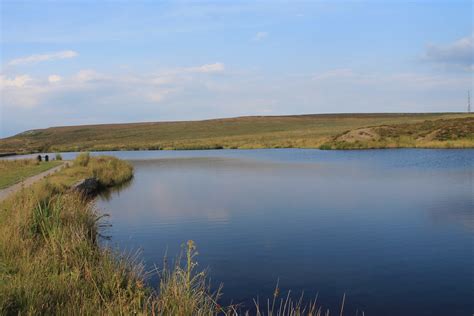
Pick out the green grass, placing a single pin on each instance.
(14, 171)
(51, 263)
(301, 131)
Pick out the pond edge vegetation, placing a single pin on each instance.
(51, 262)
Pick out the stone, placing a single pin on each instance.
(87, 187)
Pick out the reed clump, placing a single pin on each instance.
(82, 159)
(51, 263)
(185, 291)
(110, 171)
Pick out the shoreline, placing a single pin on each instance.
(240, 149)
(8, 154)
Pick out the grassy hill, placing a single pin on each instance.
(441, 133)
(303, 131)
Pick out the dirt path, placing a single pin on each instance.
(4, 193)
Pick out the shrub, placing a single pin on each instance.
(59, 157)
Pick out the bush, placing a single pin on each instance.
(59, 157)
(82, 159)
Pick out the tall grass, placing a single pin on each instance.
(185, 291)
(82, 159)
(49, 254)
(17, 163)
(52, 264)
(110, 171)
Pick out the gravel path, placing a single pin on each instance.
(4, 193)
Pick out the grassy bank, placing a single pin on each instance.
(442, 133)
(49, 259)
(301, 131)
(51, 264)
(14, 171)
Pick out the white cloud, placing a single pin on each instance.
(89, 91)
(86, 75)
(15, 82)
(43, 57)
(18, 92)
(195, 93)
(260, 36)
(54, 78)
(459, 54)
(158, 96)
(207, 68)
(162, 80)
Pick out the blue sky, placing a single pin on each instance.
(88, 62)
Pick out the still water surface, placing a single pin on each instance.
(393, 229)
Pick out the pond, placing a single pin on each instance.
(392, 229)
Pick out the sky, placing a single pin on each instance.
(91, 62)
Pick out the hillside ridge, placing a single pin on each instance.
(244, 132)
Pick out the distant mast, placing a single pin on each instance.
(468, 101)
